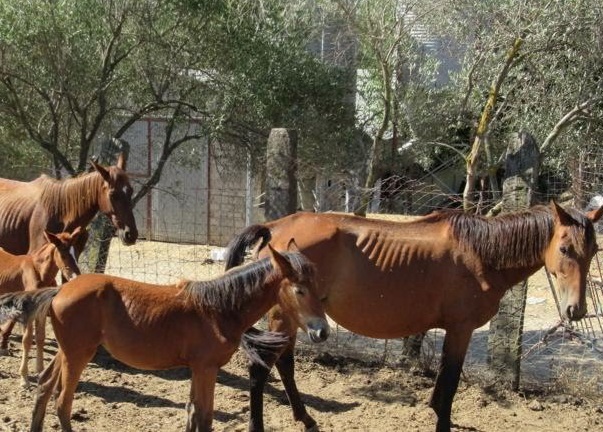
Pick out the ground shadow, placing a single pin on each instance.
(112, 394)
(104, 360)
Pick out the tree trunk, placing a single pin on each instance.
(281, 174)
(483, 126)
(100, 231)
(505, 335)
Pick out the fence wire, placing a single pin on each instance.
(196, 208)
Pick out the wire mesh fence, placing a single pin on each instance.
(197, 207)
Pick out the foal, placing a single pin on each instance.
(196, 325)
(30, 272)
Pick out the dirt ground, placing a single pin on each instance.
(340, 393)
(350, 383)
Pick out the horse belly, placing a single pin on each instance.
(383, 311)
(14, 240)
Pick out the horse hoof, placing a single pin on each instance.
(313, 428)
(4, 352)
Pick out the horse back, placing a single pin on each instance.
(375, 274)
(134, 321)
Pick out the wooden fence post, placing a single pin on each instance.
(281, 174)
(506, 328)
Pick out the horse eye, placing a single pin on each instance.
(299, 291)
(564, 250)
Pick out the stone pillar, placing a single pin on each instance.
(281, 170)
(506, 328)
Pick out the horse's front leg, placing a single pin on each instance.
(286, 369)
(453, 355)
(200, 409)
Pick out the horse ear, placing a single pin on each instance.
(122, 160)
(280, 262)
(52, 238)
(561, 216)
(76, 232)
(101, 170)
(595, 215)
(292, 246)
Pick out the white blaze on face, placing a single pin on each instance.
(72, 253)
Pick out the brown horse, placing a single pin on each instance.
(27, 209)
(446, 270)
(30, 272)
(190, 324)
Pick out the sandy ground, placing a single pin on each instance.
(349, 383)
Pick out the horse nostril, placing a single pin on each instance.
(322, 334)
(574, 312)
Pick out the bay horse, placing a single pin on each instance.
(27, 209)
(446, 270)
(33, 271)
(189, 324)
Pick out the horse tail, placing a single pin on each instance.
(235, 251)
(25, 306)
(263, 347)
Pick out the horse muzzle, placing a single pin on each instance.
(574, 312)
(318, 329)
(127, 235)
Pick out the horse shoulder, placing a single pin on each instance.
(31, 274)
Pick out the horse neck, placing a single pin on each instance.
(234, 310)
(73, 202)
(45, 269)
(257, 305)
(509, 248)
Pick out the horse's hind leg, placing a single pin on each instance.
(286, 369)
(46, 384)
(72, 366)
(258, 376)
(27, 342)
(5, 332)
(453, 355)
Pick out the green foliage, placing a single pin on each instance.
(74, 71)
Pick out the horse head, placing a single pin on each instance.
(63, 254)
(116, 199)
(297, 296)
(573, 245)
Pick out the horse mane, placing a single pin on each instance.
(229, 293)
(71, 196)
(505, 241)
